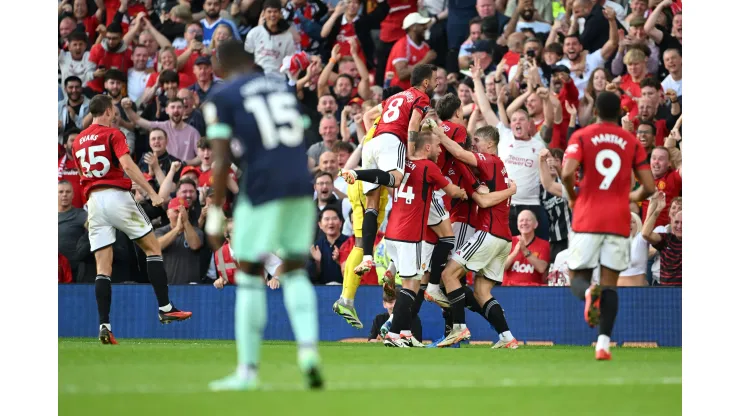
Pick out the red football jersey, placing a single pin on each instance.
(405, 50)
(607, 155)
(391, 28)
(463, 211)
(522, 272)
(671, 184)
(397, 110)
(494, 220)
(96, 152)
(411, 201)
(445, 161)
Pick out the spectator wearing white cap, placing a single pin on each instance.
(409, 51)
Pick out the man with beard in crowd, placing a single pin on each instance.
(213, 19)
(68, 170)
(73, 109)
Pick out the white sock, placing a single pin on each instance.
(166, 308)
(347, 302)
(506, 336)
(406, 333)
(433, 288)
(392, 269)
(105, 325)
(602, 343)
(458, 326)
(366, 258)
(390, 319)
(245, 371)
(393, 335)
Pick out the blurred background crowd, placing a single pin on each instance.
(156, 60)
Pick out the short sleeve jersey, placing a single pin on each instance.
(97, 151)
(263, 114)
(397, 111)
(607, 155)
(411, 201)
(495, 219)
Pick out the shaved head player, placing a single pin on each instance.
(102, 157)
(274, 212)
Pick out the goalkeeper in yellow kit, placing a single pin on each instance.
(345, 306)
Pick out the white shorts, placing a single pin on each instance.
(485, 255)
(407, 258)
(114, 209)
(384, 152)
(426, 256)
(462, 232)
(588, 251)
(437, 211)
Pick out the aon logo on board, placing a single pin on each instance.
(522, 267)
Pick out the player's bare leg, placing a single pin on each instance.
(456, 293)
(491, 310)
(440, 254)
(158, 278)
(104, 293)
(400, 332)
(609, 304)
(582, 288)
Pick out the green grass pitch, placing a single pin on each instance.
(165, 377)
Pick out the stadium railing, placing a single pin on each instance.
(537, 316)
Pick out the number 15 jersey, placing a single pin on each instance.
(262, 113)
(397, 111)
(607, 155)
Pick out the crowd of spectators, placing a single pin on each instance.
(543, 63)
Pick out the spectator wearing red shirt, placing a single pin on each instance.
(391, 30)
(186, 57)
(111, 53)
(636, 62)
(68, 171)
(346, 24)
(88, 23)
(529, 259)
(409, 51)
(668, 181)
(65, 272)
(567, 91)
(669, 244)
(168, 61)
(148, 36)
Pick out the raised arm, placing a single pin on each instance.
(135, 118)
(323, 84)
(546, 129)
(329, 25)
(674, 152)
(133, 172)
(545, 178)
(519, 101)
(657, 204)
(613, 42)
(480, 93)
(652, 20)
(368, 119)
(363, 89)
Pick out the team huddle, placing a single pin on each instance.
(450, 213)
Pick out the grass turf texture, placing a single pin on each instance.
(156, 377)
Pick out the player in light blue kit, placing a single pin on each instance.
(274, 213)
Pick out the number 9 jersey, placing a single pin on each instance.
(607, 155)
(261, 112)
(96, 151)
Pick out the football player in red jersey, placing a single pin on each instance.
(102, 158)
(449, 109)
(486, 251)
(384, 155)
(606, 155)
(406, 226)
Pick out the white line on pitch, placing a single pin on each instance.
(102, 389)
